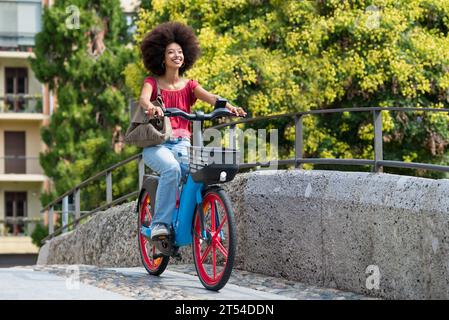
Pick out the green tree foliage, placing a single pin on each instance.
(39, 233)
(84, 65)
(276, 56)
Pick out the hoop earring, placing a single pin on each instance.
(163, 64)
(183, 64)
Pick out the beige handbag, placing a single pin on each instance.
(144, 132)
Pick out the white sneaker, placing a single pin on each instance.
(158, 231)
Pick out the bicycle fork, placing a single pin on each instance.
(203, 231)
(199, 209)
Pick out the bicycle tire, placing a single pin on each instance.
(222, 239)
(157, 266)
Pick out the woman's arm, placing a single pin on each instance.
(145, 101)
(210, 98)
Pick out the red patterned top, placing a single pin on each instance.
(183, 99)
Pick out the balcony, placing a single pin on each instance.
(15, 226)
(21, 169)
(21, 103)
(22, 107)
(19, 23)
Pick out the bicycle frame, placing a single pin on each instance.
(182, 221)
(183, 216)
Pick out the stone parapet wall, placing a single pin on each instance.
(327, 228)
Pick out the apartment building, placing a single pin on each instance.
(25, 106)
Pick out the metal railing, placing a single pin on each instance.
(20, 165)
(377, 163)
(21, 103)
(76, 193)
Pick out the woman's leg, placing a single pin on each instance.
(181, 153)
(161, 160)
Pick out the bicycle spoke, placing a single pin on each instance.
(212, 215)
(214, 262)
(222, 249)
(221, 225)
(206, 253)
(147, 212)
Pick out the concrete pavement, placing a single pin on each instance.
(178, 282)
(26, 284)
(190, 285)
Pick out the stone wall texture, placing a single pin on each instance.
(327, 228)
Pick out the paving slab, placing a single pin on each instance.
(178, 282)
(27, 284)
(191, 285)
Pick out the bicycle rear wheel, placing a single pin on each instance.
(214, 255)
(154, 265)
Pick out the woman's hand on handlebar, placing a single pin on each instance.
(238, 111)
(154, 111)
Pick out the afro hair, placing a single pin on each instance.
(154, 43)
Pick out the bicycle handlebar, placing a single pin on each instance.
(198, 115)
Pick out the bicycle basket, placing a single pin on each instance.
(212, 165)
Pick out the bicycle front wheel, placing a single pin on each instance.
(214, 254)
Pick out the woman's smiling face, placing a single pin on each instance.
(174, 56)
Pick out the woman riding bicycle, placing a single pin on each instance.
(168, 51)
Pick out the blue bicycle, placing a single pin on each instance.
(203, 217)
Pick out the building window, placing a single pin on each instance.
(15, 209)
(16, 87)
(15, 153)
(19, 23)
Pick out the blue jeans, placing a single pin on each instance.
(170, 160)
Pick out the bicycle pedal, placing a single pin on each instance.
(164, 246)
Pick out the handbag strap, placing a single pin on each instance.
(159, 95)
(158, 89)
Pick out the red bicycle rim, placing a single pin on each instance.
(145, 215)
(215, 252)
